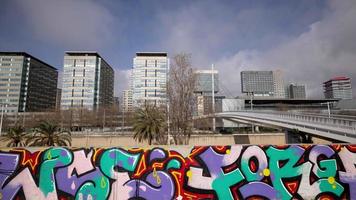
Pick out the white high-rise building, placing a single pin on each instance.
(88, 81)
(149, 78)
(263, 83)
(278, 84)
(338, 88)
(127, 100)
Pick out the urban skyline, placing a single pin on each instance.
(303, 38)
(278, 87)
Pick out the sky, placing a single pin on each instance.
(311, 41)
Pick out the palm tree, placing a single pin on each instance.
(148, 123)
(49, 134)
(16, 137)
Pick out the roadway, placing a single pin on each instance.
(337, 128)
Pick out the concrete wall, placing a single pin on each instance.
(180, 172)
(100, 140)
(127, 140)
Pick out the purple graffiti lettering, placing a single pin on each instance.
(258, 188)
(8, 164)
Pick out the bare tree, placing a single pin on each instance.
(180, 90)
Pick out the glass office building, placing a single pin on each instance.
(204, 81)
(27, 84)
(296, 91)
(149, 78)
(88, 81)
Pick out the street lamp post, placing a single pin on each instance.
(251, 100)
(328, 105)
(213, 96)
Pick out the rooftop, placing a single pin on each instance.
(82, 53)
(151, 54)
(21, 53)
(338, 78)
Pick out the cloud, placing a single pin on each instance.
(122, 78)
(67, 23)
(326, 50)
(310, 43)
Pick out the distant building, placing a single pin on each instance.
(88, 81)
(338, 88)
(278, 84)
(117, 102)
(127, 101)
(203, 91)
(204, 104)
(231, 105)
(263, 83)
(204, 81)
(149, 78)
(296, 91)
(27, 84)
(58, 98)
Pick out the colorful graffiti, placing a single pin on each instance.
(206, 172)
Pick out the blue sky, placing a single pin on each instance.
(309, 40)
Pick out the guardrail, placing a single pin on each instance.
(339, 122)
(341, 129)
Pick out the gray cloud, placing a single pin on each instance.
(67, 23)
(326, 50)
(122, 78)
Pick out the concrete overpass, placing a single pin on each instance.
(341, 128)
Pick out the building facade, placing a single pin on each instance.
(149, 78)
(263, 83)
(204, 80)
(338, 88)
(127, 101)
(296, 91)
(88, 81)
(58, 98)
(27, 84)
(278, 84)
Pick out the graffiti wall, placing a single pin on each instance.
(204, 172)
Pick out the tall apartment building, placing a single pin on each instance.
(27, 84)
(203, 91)
(88, 81)
(278, 84)
(204, 80)
(263, 83)
(149, 78)
(58, 98)
(296, 91)
(127, 100)
(338, 88)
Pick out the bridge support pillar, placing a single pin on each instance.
(257, 129)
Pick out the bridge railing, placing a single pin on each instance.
(336, 122)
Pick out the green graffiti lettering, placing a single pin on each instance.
(291, 155)
(116, 157)
(222, 184)
(52, 158)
